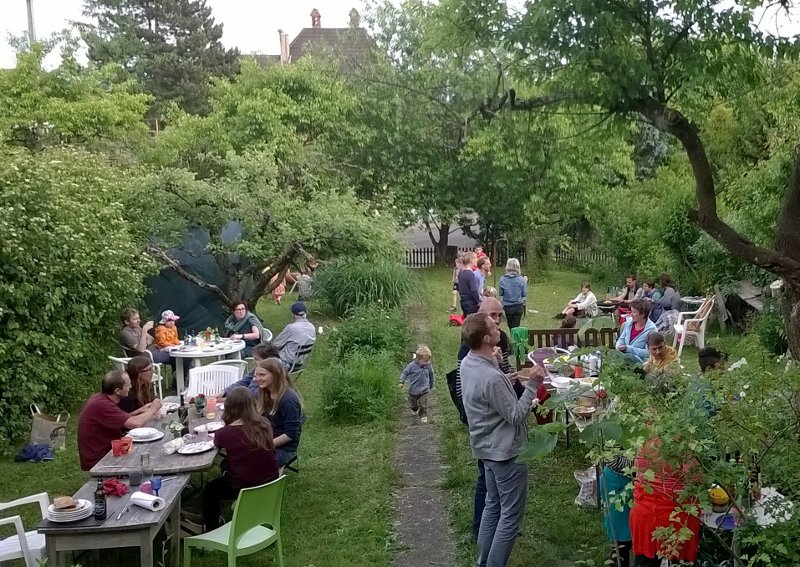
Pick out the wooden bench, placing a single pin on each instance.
(548, 338)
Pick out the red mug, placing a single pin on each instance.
(578, 371)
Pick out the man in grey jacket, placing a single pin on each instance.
(497, 432)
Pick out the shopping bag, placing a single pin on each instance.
(588, 481)
(47, 429)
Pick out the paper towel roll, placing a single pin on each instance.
(147, 501)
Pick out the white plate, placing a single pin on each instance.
(187, 348)
(170, 406)
(79, 509)
(158, 435)
(59, 519)
(561, 381)
(142, 432)
(211, 427)
(194, 448)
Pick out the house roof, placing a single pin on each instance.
(352, 46)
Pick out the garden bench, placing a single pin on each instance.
(548, 338)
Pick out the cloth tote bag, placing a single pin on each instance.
(47, 429)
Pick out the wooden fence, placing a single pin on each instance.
(426, 257)
(574, 256)
(582, 256)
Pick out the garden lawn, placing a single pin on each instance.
(555, 531)
(336, 512)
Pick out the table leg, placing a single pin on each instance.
(566, 424)
(53, 556)
(145, 549)
(179, 374)
(597, 481)
(175, 535)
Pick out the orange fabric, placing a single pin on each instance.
(167, 337)
(653, 510)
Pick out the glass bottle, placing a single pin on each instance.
(100, 507)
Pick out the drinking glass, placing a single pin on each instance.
(155, 484)
(211, 408)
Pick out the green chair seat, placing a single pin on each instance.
(256, 525)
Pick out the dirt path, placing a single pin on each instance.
(420, 517)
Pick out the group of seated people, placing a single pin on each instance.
(263, 413)
(242, 324)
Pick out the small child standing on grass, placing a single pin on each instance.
(419, 376)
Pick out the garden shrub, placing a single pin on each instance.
(360, 388)
(372, 329)
(357, 282)
(68, 266)
(769, 327)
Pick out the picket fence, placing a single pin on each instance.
(573, 256)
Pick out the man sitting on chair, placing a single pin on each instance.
(137, 340)
(101, 420)
(299, 333)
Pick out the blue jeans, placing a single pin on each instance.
(506, 493)
(285, 455)
(480, 500)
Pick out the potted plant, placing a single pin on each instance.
(199, 402)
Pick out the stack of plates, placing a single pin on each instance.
(194, 448)
(145, 434)
(83, 510)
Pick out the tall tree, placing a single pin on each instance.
(171, 47)
(668, 62)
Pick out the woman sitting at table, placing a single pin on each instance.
(280, 404)
(670, 300)
(651, 292)
(633, 338)
(244, 325)
(584, 304)
(249, 450)
(140, 371)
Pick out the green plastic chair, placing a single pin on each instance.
(256, 525)
(519, 338)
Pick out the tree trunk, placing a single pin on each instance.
(790, 306)
(440, 245)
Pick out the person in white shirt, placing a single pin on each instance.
(584, 305)
(295, 335)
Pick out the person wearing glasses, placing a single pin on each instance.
(140, 372)
(244, 325)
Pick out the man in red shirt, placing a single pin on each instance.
(101, 420)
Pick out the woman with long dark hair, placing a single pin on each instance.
(140, 371)
(279, 402)
(250, 452)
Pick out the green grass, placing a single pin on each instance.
(336, 512)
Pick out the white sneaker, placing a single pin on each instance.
(414, 412)
(423, 420)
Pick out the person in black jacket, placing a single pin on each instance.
(468, 289)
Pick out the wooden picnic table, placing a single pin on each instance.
(161, 464)
(137, 527)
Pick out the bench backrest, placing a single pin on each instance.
(544, 338)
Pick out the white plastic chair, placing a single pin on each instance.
(693, 323)
(266, 337)
(121, 363)
(240, 364)
(211, 379)
(25, 545)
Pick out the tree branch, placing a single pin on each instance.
(160, 254)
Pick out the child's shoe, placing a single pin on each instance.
(414, 411)
(423, 420)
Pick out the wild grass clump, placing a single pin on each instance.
(358, 282)
(360, 388)
(372, 330)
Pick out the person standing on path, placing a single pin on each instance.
(497, 432)
(468, 289)
(514, 293)
(419, 376)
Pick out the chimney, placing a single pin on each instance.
(284, 40)
(315, 19)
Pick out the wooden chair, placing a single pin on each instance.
(693, 323)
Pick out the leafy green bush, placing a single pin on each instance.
(361, 388)
(68, 266)
(372, 330)
(349, 283)
(768, 325)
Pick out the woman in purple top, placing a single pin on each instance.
(251, 459)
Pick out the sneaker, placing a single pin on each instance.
(414, 411)
(423, 420)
